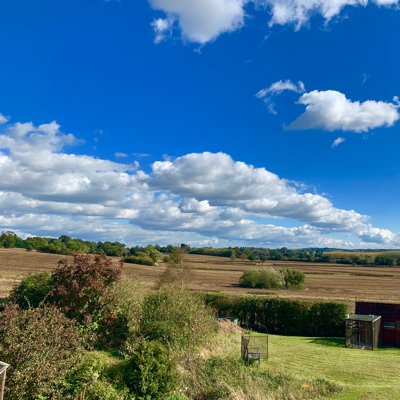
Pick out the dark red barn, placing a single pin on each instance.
(390, 320)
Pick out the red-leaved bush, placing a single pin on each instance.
(80, 286)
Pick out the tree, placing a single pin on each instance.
(8, 239)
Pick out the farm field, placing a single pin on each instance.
(362, 374)
(324, 281)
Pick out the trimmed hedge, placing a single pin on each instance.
(282, 316)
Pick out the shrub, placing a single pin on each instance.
(118, 324)
(150, 373)
(32, 290)
(271, 278)
(176, 318)
(79, 287)
(264, 278)
(41, 345)
(91, 379)
(292, 278)
(102, 390)
(142, 259)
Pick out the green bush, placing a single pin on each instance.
(142, 259)
(292, 278)
(102, 390)
(118, 324)
(32, 290)
(97, 377)
(270, 278)
(150, 373)
(41, 345)
(177, 318)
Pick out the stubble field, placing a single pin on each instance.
(323, 281)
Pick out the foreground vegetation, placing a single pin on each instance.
(83, 333)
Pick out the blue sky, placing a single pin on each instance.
(221, 122)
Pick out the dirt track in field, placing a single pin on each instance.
(323, 281)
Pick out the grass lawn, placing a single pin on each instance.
(363, 374)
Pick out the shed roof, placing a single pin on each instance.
(362, 317)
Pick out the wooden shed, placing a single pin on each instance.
(390, 320)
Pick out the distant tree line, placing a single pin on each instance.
(66, 245)
(149, 255)
(389, 258)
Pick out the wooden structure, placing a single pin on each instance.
(254, 348)
(390, 320)
(3, 370)
(362, 331)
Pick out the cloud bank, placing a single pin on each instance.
(200, 198)
(203, 21)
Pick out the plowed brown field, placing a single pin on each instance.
(324, 281)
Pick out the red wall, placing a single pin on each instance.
(390, 313)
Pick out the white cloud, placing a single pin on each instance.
(299, 12)
(281, 86)
(277, 88)
(337, 142)
(3, 119)
(162, 28)
(225, 183)
(196, 198)
(203, 21)
(331, 110)
(199, 21)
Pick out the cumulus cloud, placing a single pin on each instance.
(331, 110)
(199, 21)
(225, 183)
(203, 21)
(267, 94)
(196, 198)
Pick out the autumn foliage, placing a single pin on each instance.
(79, 286)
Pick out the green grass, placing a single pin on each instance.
(363, 374)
